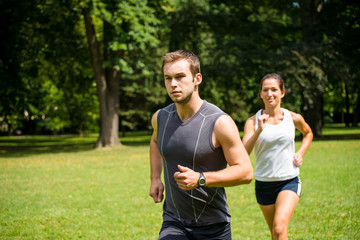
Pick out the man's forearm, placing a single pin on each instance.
(156, 163)
(231, 176)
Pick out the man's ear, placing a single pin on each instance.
(198, 79)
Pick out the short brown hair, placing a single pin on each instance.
(183, 54)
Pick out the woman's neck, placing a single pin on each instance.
(273, 112)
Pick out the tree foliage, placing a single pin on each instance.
(51, 82)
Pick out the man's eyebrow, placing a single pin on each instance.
(176, 74)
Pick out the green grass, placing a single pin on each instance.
(61, 188)
(341, 131)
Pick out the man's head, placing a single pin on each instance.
(183, 54)
(182, 77)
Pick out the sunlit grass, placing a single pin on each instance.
(329, 206)
(61, 188)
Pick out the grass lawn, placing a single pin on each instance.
(61, 188)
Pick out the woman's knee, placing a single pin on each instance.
(279, 229)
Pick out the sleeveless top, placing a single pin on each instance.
(275, 150)
(190, 144)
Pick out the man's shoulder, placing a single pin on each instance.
(169, 108)
(211, 108)
(164, 112)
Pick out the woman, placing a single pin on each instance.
(272, 131)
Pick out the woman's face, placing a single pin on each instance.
(271, 93)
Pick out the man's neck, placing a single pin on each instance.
(186, 110)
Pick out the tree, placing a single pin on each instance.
(342, 30)
(314, 78)
(48, 83)
(127, 26)
(248, 42)
(13, 15)
(46, 88)
(107, 88)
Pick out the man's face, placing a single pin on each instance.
(179, 82)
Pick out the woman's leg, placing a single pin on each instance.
(284, 208)
(268, 212)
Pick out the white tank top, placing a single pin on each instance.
(275, 150)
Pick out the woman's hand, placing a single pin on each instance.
(262, 119)
(298, 160)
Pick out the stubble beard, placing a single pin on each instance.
(183, 101)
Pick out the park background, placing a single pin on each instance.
(92, 69)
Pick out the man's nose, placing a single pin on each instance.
(173, 82)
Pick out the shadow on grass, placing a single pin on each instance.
(337, 133)
(338, 137)
(335, 137)
(21, 146)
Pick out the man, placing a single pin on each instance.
(194, 141)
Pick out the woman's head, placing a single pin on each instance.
(278, 79)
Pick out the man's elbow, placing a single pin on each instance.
(244, 174)
(248, 175)
(244, 178)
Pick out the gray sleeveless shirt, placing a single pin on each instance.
(190, 144)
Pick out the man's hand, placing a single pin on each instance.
(187, 179)
(157, 191)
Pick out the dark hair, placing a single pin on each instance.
(274, 76)
(183, 54)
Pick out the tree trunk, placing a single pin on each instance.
(347, 103)
(312, 112)
(112, 79)
(107, 90)
(357, 110)
(310, 36)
